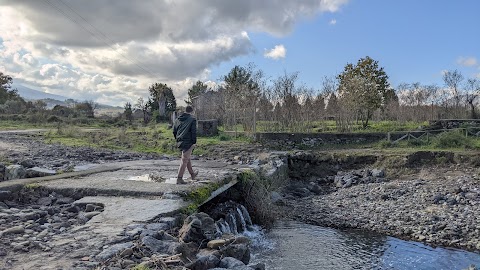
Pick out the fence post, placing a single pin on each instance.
(389, 138)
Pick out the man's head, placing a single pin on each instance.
(189, 109)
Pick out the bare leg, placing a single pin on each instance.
(189, 167)
(184, 163)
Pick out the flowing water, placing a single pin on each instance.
(299, 246)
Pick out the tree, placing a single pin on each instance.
(196, 90)
(452, 79)
(143, 106)
(86, 108)
(241, 91)
(162, 99)
(472, 91)
(128, 112)
(364, 86)
(6, 91)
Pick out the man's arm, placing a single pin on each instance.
(193, 129)
(175, 130)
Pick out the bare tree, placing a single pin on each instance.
(452, 79)
(143, 106)
(472, 91)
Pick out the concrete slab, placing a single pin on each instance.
(132, 179)
(121, 211)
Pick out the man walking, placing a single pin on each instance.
(185, 133)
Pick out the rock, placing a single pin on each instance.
(258, 266)
(215, 244)
(14, 172)
(3, 252)
(73, 209)
(14, 230)
(197, 227)
(92, 207)
(45, 201)
(238, 251)
(28, 163)
(64, 200)
(2, 172)
(155, 245)
(204, 263)
(315, 188)
(126, 253)
(157, 226)
(5, 195)
(230, 262)
(38, 172)
(89, 215)
(113, 250)
(378, 173)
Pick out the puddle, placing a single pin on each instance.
(152, 177)
(84, 167)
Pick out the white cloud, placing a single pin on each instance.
(276, 53)
(333, 22)
(467, 61)
(97, 48)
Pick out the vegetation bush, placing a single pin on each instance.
(451, 139)
(54, 119)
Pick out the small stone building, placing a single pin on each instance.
(207, 128)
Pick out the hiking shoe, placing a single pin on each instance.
(194, 175)
(181, 182)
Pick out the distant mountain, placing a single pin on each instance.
(30, 94)
(51, 99)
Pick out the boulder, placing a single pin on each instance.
(378, 173)
(2, 172)
(38, 172)
(204, 263)
(197, 228)
(217, 243)
(28, 163)
(113, 250)
(230, 263)
(14, 172)
(159, 246)
(13, 230)
(240, 252)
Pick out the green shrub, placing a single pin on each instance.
(385, 144)
(53, 119)
(224, 137)
(451, 139)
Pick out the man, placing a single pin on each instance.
(185, 133)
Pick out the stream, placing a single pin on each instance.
(299, 246)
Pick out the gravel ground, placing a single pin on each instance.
(437, 205)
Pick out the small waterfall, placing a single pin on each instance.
(232, 221)
(242, 220)
(236, 221)
(246, 215)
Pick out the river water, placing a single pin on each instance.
(293, 245)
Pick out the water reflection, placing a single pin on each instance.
(300, 246)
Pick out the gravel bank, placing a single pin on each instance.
(437, 205)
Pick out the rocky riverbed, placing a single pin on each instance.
(437, 205)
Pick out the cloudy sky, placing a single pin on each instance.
(110, 51)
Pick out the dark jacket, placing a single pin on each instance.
(185, 131)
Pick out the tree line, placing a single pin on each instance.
(359, 94)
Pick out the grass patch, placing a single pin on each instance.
(199, 196)
(450, 140)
